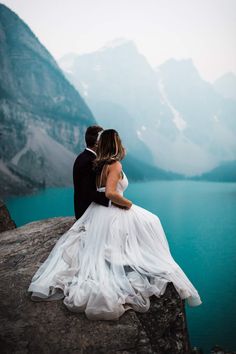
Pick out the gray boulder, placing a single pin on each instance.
(48, 327)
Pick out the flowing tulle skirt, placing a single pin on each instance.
(111, 260)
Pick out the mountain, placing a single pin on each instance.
(226, 172)
(205, 121)
(42, 117)
(226, 85)
(169, 114)
(118, 84)
(137, 170)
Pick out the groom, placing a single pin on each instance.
(84, 177)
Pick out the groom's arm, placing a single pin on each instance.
(94, 195)
(99, 198)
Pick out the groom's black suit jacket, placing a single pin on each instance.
(84, 179)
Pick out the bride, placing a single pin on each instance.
(111, 259)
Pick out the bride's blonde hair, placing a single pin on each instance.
(109, 149)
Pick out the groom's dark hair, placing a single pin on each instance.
(91, 135)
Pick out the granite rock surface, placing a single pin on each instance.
(48, 327)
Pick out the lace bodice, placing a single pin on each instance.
(121, 185)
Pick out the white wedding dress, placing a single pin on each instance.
(111, 260)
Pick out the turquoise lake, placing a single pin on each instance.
(199, 219)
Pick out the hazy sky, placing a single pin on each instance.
(204, 30)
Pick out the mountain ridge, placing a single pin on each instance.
(225, 172)
(185, 124)
(226, 85)
(37, 103)
(42, 117)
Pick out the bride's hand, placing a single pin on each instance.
(129, 205)
(122, 206)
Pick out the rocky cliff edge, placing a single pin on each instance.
(48, 327)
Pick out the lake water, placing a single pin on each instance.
(199, 219)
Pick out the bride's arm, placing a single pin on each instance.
(113, 176)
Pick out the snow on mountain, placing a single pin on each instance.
(177, 117)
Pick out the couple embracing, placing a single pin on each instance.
(116, 255)
(88, 166)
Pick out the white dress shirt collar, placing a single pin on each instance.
(91, 151)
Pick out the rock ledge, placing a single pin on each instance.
(48, 327)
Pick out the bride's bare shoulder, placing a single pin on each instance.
(115, 166)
